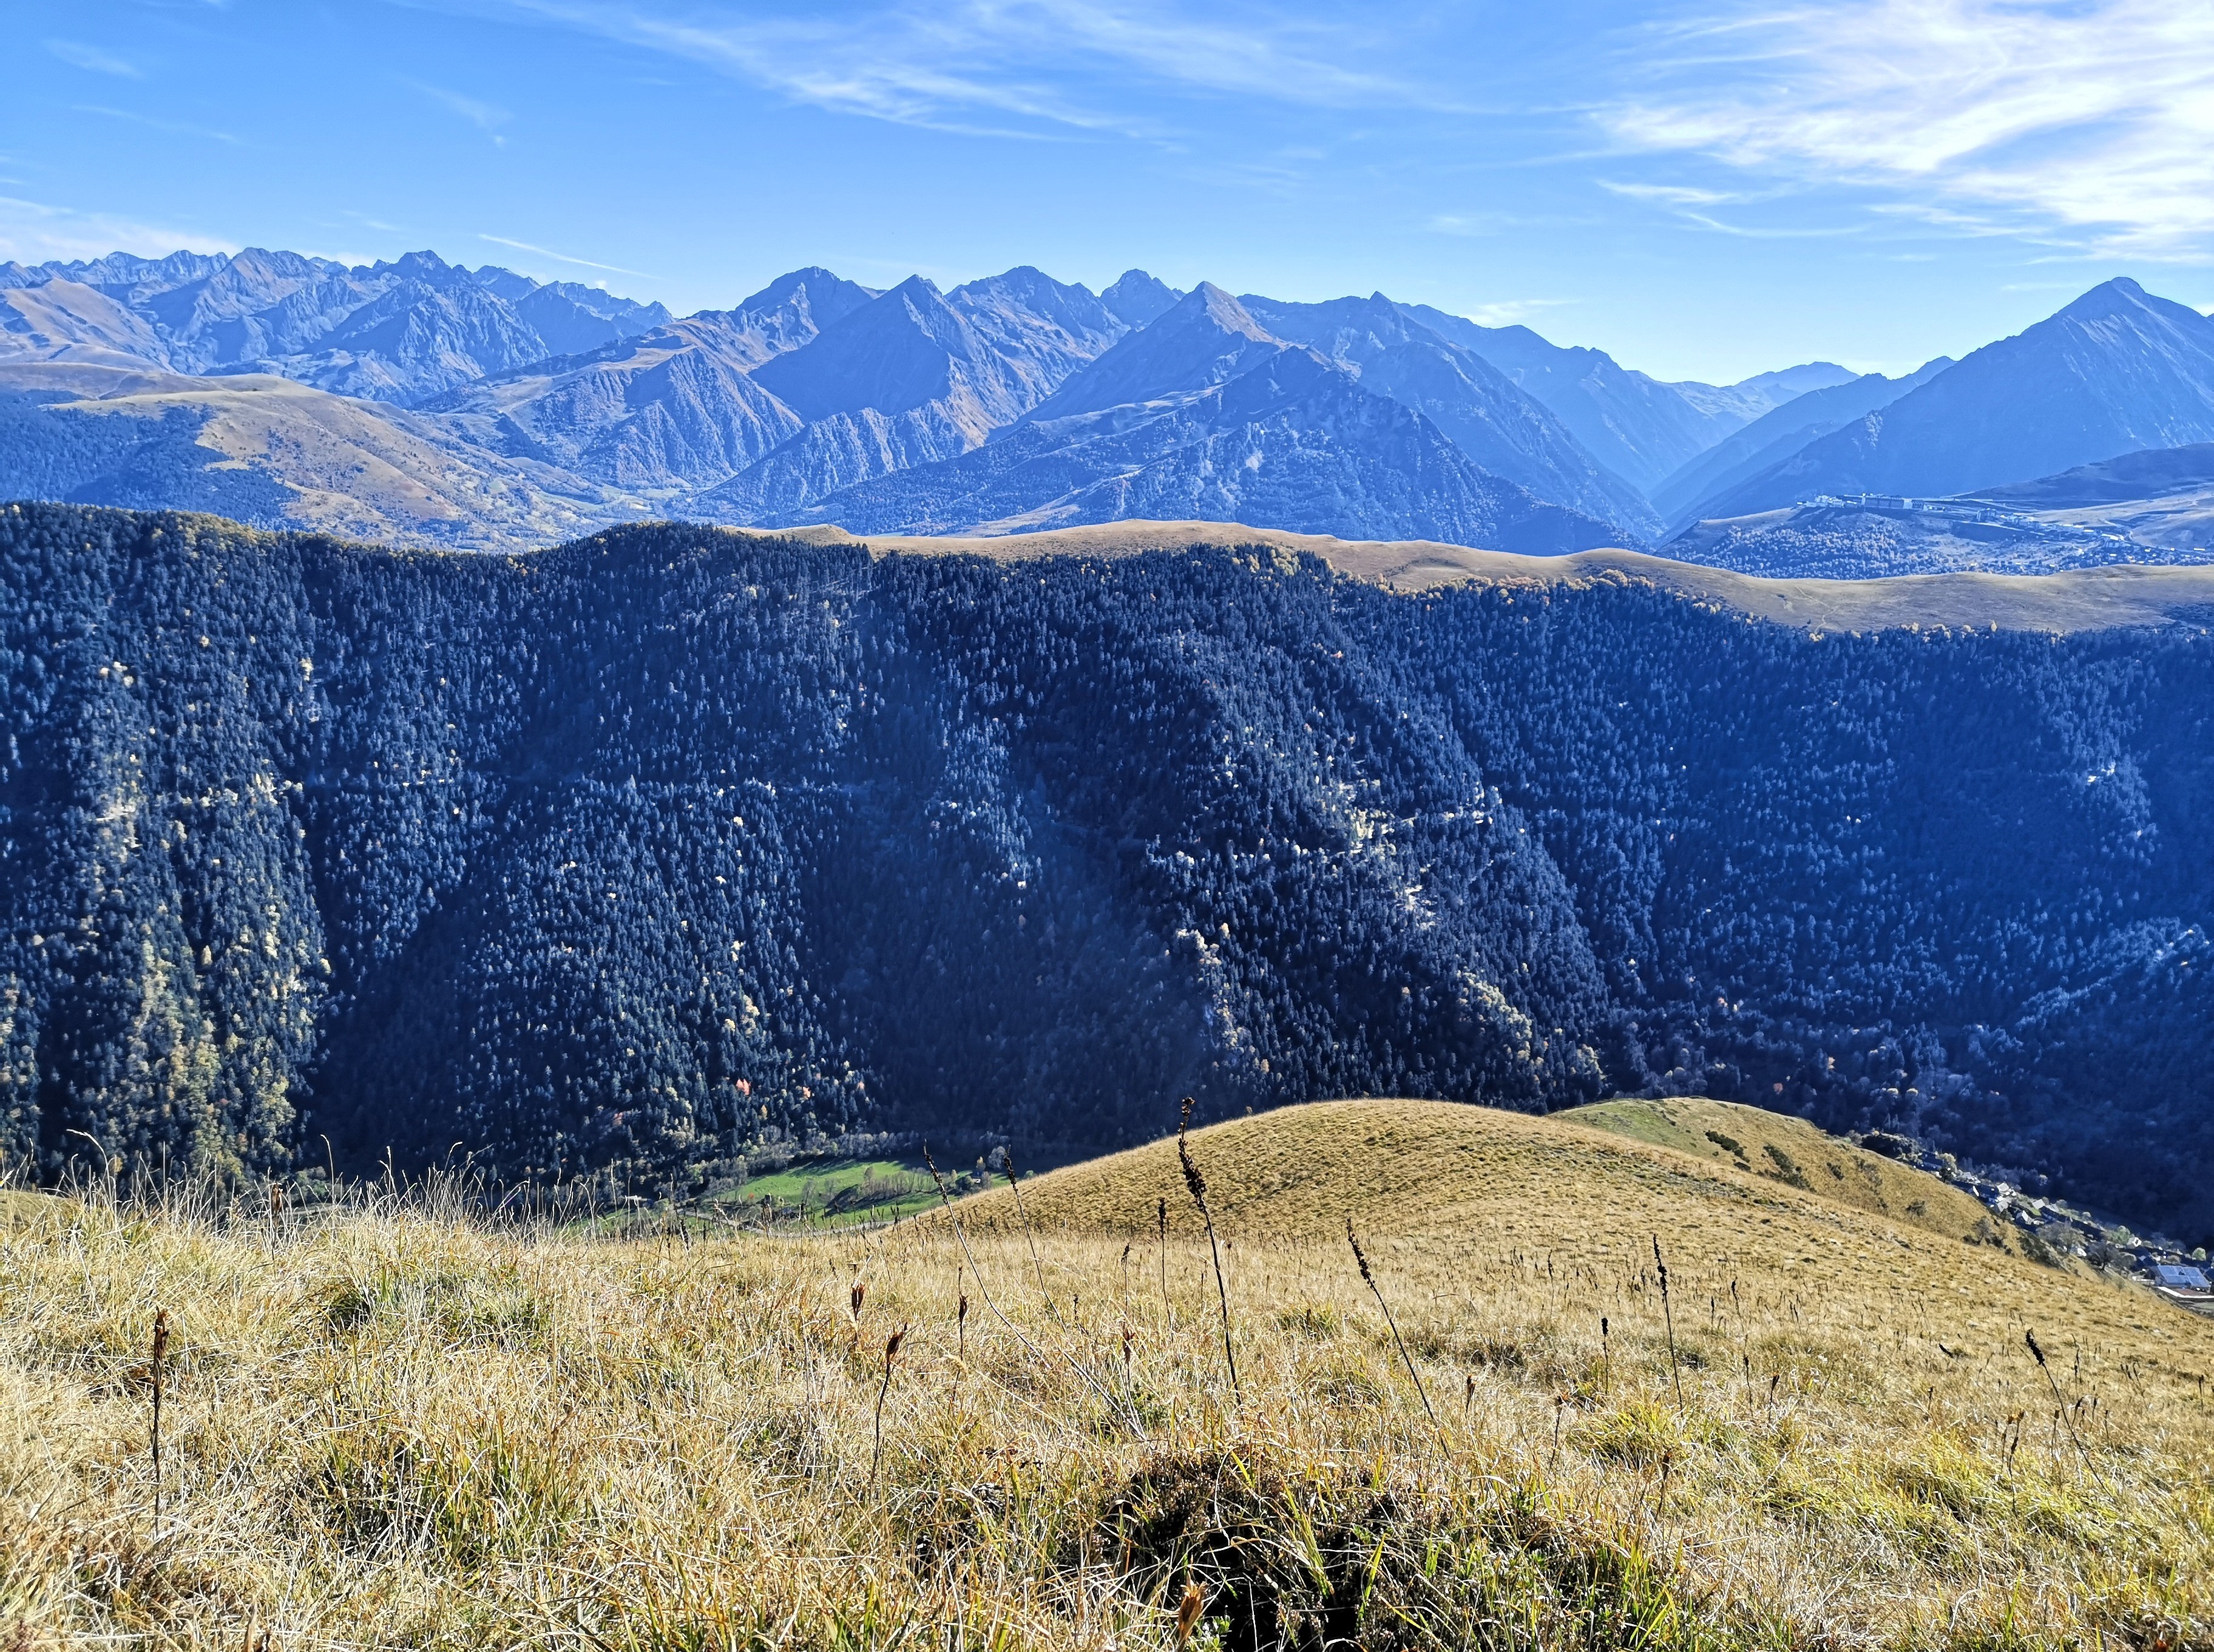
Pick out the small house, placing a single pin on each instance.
(2178, 1276)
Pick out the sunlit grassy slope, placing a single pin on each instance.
(1790, 1150)
(388, 1425)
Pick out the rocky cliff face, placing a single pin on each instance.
(1293, 441)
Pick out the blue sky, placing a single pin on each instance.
(1704, 188)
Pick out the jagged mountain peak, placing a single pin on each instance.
(1222, 310)
(814, 283)
(2107, 299)
(422, 265)
(1138, 299)
(1491, 419)
(2116, 371)
(1207, 339)
(903, 349)
(502, 283)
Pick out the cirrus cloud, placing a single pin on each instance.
(997, 68)
(2095, 119)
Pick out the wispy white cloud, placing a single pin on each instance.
(1002, 68)
(154, 123)
(487, 118)
(2092, 117)
(1774, 232)
(563, 258)
(32, 232)
(1509, 312)
(78, 55)
(1668, 194)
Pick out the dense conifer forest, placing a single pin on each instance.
(624, 859)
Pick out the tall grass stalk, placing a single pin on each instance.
(1195, 1184)
(1668, 1314)
(1369, 1279)
(1168, 1308)
(961, 1233)
(157, 1365)
(2060, 1400)
(877, 1449)
(1007, 1163)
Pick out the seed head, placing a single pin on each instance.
(1359, 1255)
(854, 1300)
(1188, 1612)
(1194, 1184)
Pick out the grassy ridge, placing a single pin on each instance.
(389, 1426)
(1790, 1150)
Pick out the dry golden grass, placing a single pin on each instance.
(390, 1427)
(1785, 1149)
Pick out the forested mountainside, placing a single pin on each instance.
(1834, 539)
(621, 856)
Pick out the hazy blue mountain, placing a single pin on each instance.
(828, 455)
(1295, 442)
(2127, 479)
(1750, 399)
(904, 349)
(120, 272)
(1207, 339)
(2163, 498)
(402, 331)
(2116, 371)
(1042, 330)
(1636, 426)
(571, 318)
(818, 389)
(1509, 433)
(1137, 297)
(1776, 435)
(671, 410)
(665, 414)
(61, 318)
(910, 379)
(277, 453)
(789, 312)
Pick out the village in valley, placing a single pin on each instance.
(2064, 1231)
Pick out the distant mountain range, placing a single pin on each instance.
(422, 400)
(2117, 371)
(1773, 438)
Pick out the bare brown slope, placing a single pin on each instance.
(358, 468)
(2091, 599)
